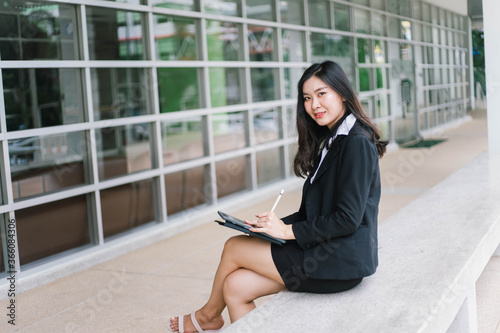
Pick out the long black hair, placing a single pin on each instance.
(311, 135)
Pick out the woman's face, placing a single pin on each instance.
(322, 103)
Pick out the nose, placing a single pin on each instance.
(315, 103)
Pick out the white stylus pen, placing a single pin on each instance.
(277, 200)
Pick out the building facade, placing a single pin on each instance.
(119, 116)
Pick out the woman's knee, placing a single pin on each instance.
(233, 243)
(232, 288)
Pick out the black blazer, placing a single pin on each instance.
(336, 224)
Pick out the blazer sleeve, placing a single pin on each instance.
(357, 167)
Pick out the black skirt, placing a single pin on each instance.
(289, 260)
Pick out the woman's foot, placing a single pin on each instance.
(205, 322)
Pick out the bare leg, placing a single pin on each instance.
(244, 286)
(239, 252)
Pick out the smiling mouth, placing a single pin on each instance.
(320, 114)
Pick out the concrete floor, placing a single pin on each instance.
(139, 291)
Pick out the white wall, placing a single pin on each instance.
(457, 6)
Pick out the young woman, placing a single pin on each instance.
(332, 238)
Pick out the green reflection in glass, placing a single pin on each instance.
(263, 88)
(222, 7)
(292, 45)
(364, 52)
(225, 86)
(342, 17)
(178, 89)
(292, 12)
(319, 13)
(175, 38)
(364, 79)
(114, 34)
(260, 43)
(260, 9)
(222, 41)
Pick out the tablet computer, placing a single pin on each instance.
(238, 224)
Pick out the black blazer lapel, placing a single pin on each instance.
(330, 156)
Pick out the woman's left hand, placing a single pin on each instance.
(269, 223)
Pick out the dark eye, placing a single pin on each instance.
(306, 98)
(321, 93)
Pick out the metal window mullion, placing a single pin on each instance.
(253, 154)
(209, 147)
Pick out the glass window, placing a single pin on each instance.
(382, 78)
(362, 21)
(42, 97)
(182, 140)
(406, 30)
(229, 131)
(336, 48)
(341, 17)
(404, 7)
(393, 6)
(127, 206)
(377, 24)
(223, 40)
(186, 189)
(174, 4)
(291, 121)
(292, 12)
(292, 76)
(260, 43)
(365, 79)
(178, 89)
(52, 228)
(266, 125)
(123, 150)
(426, 12)
(48, 163)
(362, 2)
(114, 34)
(263, 84)
(260, 9)
(175, 38)
(38, 31)
(293, 49)
(378, 4)
(319, 13)
(223, 7)
(225, 86)
(133, 2)
(417, 12)
(394, 27)
(269, 166)
(120, 92)
(379, 48)
(382, 106)
(231, 176)
(364, 51)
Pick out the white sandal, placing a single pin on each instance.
(195, 323)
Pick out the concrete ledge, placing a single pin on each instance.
(431, 254)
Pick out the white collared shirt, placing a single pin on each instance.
(343, 129)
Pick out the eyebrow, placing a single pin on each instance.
(321, 88)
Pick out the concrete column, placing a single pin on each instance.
(491, 8)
